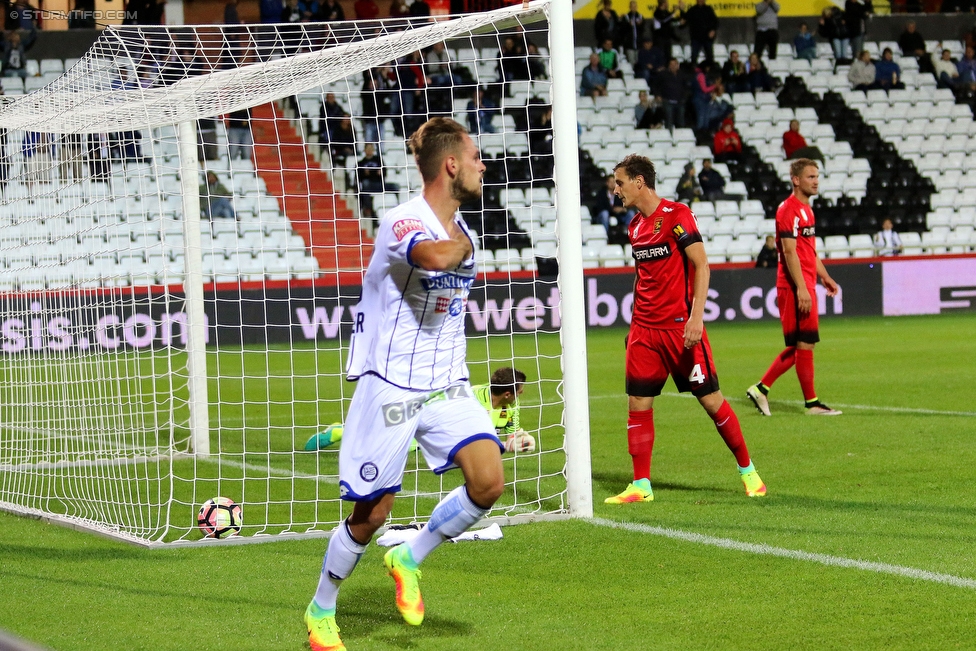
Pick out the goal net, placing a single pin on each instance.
(186, 216)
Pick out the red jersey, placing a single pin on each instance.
(795, 220)
(665, 279)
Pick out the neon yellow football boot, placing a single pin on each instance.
(408, 599)
(637, 491)
(754, 485)
(323, 632)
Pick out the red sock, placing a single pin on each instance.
(640, 441)
(804, 371)
(727, 425)
(783, 362)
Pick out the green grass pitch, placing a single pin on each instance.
(889, 482)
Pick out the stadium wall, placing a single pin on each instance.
(270, 313)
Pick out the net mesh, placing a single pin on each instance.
(300, 135)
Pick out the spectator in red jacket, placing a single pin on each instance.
(728, 143)
(795, 145)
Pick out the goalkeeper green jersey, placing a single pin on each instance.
(505, 419)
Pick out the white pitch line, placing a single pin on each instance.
(794, 554)
(271, 470)
(903, 410)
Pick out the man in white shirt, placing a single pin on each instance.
(886, 241)
(408, 342)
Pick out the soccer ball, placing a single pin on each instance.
(220, 517)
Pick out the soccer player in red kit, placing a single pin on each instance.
(667, 332)
(796, 290)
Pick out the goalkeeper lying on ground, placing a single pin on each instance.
(499, 397)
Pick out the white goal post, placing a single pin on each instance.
(186, 216)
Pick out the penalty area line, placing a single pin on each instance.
(793, 554)
(901, 410)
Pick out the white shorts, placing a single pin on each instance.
(382, 420)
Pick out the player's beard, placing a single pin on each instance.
(461, 193)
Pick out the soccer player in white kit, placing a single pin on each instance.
(408, 342)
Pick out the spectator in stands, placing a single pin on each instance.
(594, 81)
(14, 61)
(967, 69)
(833, 29)
(412, 81)
(632, 31)
(291, 14)
(855, 13)
(215, 199)
(795, 145)
(734, 74)
(768, 256)
(36, 151)
(886, 241)
(540, 129)
(239, 140)
(480, 112)
(728, 143)
(945, 70)
(343, 142)
(231, 17)
(420, 12)
(366, 10)
(372, 180)
(606, 23)
(331, 10)
(663, 27)
(911, 42)
(756, 75)
(81, 17)
(513, 62)
(888, 73)
(648, 114)
(372, 126)
(607, 204)
(71, 156)
(650, 62)
(144, 12)
(437, 65)
(862, 74)
(399, 9)
(701, 95)
(803, 43)
(537, 67)
(671, 91)
(330, 114)
(712, 182)
(99, 157)
(5, 158)
(688, 190)
(271, 10)
(702, 25)
(767, 27)
(608, 61)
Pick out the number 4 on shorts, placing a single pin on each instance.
(697, 375)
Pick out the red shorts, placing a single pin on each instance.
(654, 354)
(797, 327)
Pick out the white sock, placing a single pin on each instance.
(340, 560)
(454, 515)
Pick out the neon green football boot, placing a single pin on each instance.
(323, 632)
(408, 599)
(754, 485)
(331, 435)
(637, 491)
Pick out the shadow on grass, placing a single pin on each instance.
(371, 614)
(127, 589)
(34, 553)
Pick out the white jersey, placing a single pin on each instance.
(409, 324)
